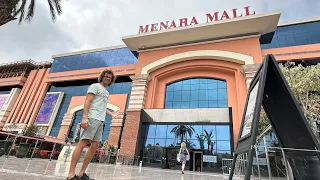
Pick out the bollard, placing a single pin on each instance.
(140, 164)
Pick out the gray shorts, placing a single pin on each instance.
(93, 132)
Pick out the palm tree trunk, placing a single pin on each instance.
(6, 9)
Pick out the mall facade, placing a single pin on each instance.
(185, 83)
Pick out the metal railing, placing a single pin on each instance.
(268, 163)
(226, 166)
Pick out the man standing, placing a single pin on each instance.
(94, 114)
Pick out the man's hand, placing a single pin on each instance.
(115, 114)
(84, 123)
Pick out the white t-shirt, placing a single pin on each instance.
(99, 103)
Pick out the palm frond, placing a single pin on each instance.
(57, 4)
(30, 11)
(52, 12)
(21, 10)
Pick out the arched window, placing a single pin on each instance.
(196, 93)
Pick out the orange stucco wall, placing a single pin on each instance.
(250, 46)
(125, 70)
(230, 72)
(30, 98)
(12, 81)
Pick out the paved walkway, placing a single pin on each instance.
(36, 169)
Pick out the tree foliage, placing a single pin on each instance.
(304, 82)
(31, 131)
(305, 85)
(182, 131)
(201, 139)
(24, 10)
(208, 137)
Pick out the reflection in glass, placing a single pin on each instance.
(171, 142)
(152, 131)
(169, 134)
(160, 142)
(196, 93)
(223, 132)
(223, 145)
(211, 139)
(113, 57)
(197, 130)
(182, 131)
(161, 131)
(295, 35)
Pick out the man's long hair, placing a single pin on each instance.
(103, 73)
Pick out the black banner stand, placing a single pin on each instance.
(270, 89)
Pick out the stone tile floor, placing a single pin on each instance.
(36, 169)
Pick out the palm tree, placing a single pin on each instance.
(10, 9)
(201, 140)
(189, 144)
(182, 131)
(208, 137)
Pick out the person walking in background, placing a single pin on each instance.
(183, 153)
(91, 127)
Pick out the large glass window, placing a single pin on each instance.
(295, 35)
(196, 93)
(171, 135)
(159, 138)
(106, 58)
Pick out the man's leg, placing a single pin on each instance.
(89, 155)
(75, 156)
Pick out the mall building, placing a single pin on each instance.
(185, 83)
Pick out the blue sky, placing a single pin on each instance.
(94, 24)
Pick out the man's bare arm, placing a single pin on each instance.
(86, 108)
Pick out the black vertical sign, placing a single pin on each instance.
(270, 90)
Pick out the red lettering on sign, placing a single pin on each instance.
(154, 27)
(173, 25)
(210, 17)
(164, 26)
(225, 15)
(247, 11)
(183, 22)
(144, 30)
(194, 21)
(235, 13)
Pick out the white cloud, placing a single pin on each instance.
(93, 24)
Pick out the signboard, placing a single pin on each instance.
(3, 99)
(261, 161)
(249, 113)
(207, 158)
(14, 127)
(48, 112)
(270, 89)
(210, 17)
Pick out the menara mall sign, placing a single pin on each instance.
(234, 13)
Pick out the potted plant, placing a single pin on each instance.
(113, 154)
(103, 155)
(23, 150)
(31, 131)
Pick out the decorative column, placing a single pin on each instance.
(249, 71)
(130, 140)
(115, 130)
(65, 125)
